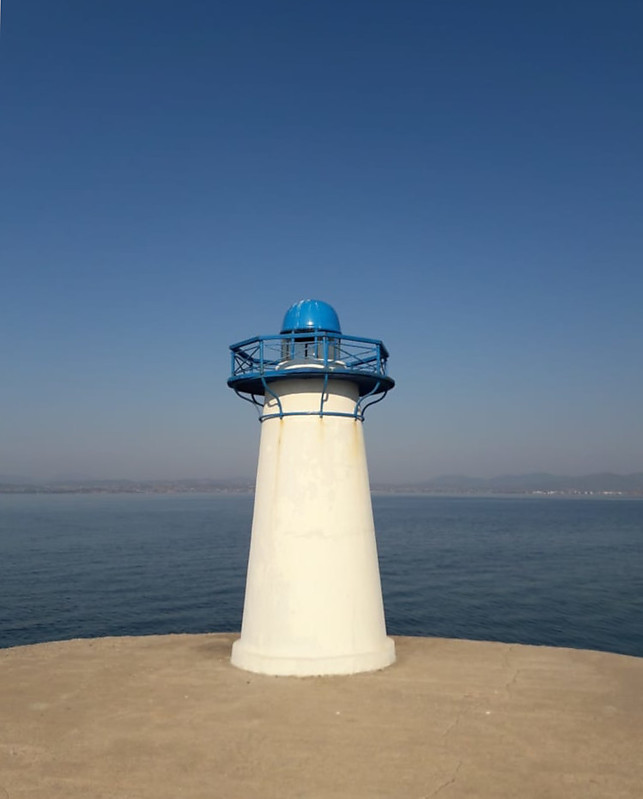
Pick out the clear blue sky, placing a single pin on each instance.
(462, 179)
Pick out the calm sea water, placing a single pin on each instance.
(562, 572)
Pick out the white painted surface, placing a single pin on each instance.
(313, 600)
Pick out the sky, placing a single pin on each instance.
(462, 180)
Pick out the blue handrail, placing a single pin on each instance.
(257, 362)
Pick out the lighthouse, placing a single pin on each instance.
(313, 601)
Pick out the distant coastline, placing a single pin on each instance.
(541, 484)
(128, 487)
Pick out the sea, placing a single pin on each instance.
(553, 571)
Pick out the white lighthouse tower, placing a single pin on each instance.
(313, 602)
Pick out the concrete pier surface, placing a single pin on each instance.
(168, 716)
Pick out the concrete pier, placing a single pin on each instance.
(168, 716)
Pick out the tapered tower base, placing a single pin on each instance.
(313, 602)
(243, 658)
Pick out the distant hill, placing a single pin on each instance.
(197, 485)
(13, 479)
(536, 483)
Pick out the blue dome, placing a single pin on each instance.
(310, 315)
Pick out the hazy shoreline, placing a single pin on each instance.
(205, 487)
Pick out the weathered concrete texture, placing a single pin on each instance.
(167, 716)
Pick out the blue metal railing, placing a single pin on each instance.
(259, 361)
